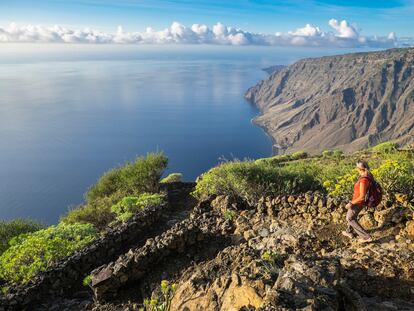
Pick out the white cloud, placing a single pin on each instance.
(344, 30)
(342, 34)
(307, 31)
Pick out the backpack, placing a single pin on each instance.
(374, 193)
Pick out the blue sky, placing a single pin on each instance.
(373, 17)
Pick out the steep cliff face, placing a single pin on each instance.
(348, 101)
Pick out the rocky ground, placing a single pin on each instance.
(286, 253)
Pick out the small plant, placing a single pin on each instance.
(87, 280)
(299, 155)
(327, 153)
(4, 290)
(174, 177)
(270, 263)
(128, 206)
(229, 214)
(338, 153)
(275, 160)
(161, 302)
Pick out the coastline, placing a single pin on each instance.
(275, 150)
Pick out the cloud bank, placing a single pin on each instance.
(341, 34)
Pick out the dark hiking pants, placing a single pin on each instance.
(351, 217)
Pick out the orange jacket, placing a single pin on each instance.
(360, 191)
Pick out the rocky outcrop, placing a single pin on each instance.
(318, 269)
(136, 263)
(65, 277)
(347, 101)
(285, 253)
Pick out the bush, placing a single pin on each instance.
(338, 153)
(386, 147)
(15, 227)
(327, 153)
(98, 212)
(274, 160)
(342, 186)
(299, 155)
(140, 176)
(396, 176)
(31, 253)
(134, 178)
(174, 177)
(129, 206)
(252, 180)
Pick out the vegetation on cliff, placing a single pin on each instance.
(332, 173)
(132, 179)
(30, 253)
(10, 229)
(27, 249)
(122, 192)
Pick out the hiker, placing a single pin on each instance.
(358, 202)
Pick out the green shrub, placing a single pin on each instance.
(143, 175)
(31, 253)
(342, 186)
(9, 229)
(229, 214)
(395, 176)
(174, 177)
(98, 212)
(87, 280)
(386, 147)
(270, 263)
(299, 155)
(275, 160)
(129, 206)
(251, 180)
(338, 153)
(327, 153)
(140, 176)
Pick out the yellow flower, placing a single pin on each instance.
(402, 198)
(174, 286)
(164, 284)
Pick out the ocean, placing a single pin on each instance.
(68, 113)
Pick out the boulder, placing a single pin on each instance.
(368, 221)
(306, 285)
(409, 228)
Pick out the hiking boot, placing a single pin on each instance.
(348, 234)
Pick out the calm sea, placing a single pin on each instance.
(69, 113)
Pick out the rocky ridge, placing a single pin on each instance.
(347, 101)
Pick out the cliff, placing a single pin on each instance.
(348, 101)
